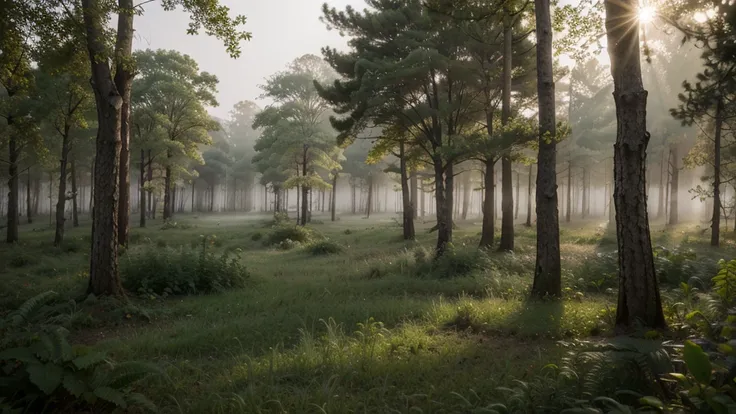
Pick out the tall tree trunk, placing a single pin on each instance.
(29, 206)
(516, 197)
(423, 200)
(568, 206)
(333, 195)
(75, 212)
(716, 223)
(143, 190)
(444, 226)
(408, 208)
(51, 199)
(466, 195)
(151, 204)
(352, 188)
(507, 184)
(173, 200)
(61, 196)
(369, 201)
(674, 185)
(13, 184)
(488, 230)
(638, 296)
(414, 194)
(167, 188)
(305, 192)
(124, 83)
(529, 197)
(36, 193)
(547, 270)
(586, 193)
(103, 274)
(660, 202)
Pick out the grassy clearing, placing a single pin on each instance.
(351, 319)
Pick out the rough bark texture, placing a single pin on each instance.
(124, 83)
(529, 197)
(75, 210)
(638, 297)
(11, 235)
(415, 194)
(507, 195)
(142, 200)
(674, 185)
(103, 275)
(408, 208)
(29, 206)
(167, 191)
(61, 196)
(715, 235)
(547, 269)
(444, 228)
(488, 228)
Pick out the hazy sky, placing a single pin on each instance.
(282, 30)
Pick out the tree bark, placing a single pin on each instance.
(660, 202)
(716, 220)
(516, 197)
(414, 194)
(408, 208)
(29, 207)
(61, 196)
(124, 83)
(167, 188)
(638, 297)
(674, 185)
(529, 197)
(443, 207)
(13, 184)
(142, 200)
(103, 274)
(507, 185)
(466, 195)
(151, 204)
(547, 272)
(75, 212)
(568, 206)
(369, 201)
(488, 230)
(586, 192)
(333, 195)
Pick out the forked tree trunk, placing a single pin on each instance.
(674, 185)
(529, 197)
(408, 208)
(103, 275)
(715, 234)
(638, 297)
(547, 271)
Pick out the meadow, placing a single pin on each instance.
(352, 319)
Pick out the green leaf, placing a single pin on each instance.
(19, 354)
(114, 396)
(652, 402)
(89, 360)
(142, 401)
(678, 376)
(46, 377)
(697, 362)
(73, 384)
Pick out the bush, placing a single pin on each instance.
(256, 236)
(44, 371)
(298, 234)
(288, 244)
(453, 263)
(324, 247)
(183, 271)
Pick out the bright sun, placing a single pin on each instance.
(647, 14)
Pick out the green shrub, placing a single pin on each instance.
(20, 259)
(453, 263)
(288, 244)
(299, 234)
(183, 271)
(42, 370)
(257, 236)
(324, 247)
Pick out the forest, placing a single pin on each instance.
(474, 206)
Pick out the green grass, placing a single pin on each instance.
(359, 330)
